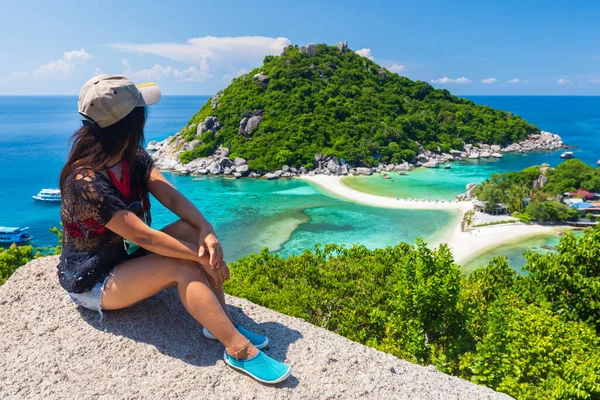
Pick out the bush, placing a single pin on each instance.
(12, 258)
(533, 336)
(551, 211)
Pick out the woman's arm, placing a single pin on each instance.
(172, 199)
(126, 224)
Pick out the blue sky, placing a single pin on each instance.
(196, 47)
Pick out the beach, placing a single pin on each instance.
(464, 245)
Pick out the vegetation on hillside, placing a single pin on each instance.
(532, 336)
(513, 188)
(347, 106)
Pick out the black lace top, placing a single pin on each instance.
(89, 201)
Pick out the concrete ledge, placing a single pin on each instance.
(51, 349)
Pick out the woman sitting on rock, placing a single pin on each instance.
(111, 257)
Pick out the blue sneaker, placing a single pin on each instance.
(261, 367)
(258, 341)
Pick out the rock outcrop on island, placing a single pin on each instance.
(330, 101)
(53, 350)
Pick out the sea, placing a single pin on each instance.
(286, 216)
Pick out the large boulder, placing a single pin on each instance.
(311, 50)
(343, 46)
(364, 171)
(215, 168)
(431, 164)
(271, 176)
(239, 161)
(243, 169)
(252, 124)
(261, 79)
(332, 166)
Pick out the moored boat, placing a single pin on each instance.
(52, 195)
(14, 235)
(567, 154)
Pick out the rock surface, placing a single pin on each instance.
(51, 349)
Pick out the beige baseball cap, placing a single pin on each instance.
(107, 99)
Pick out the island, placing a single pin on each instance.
(327, 110)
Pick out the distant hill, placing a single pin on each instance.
(331, 100)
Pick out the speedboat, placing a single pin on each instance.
(48, 195)
(14, 235)
(567, 154)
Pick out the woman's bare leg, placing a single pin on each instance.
(140, 278)
(183, 230)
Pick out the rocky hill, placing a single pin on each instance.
(325, 107)
(51, 349)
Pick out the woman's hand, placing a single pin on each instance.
(208, 242)
(216, 276)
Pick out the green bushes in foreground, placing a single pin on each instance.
(533, 336)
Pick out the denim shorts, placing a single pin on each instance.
(91, 299)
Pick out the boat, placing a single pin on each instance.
(567, 154)
(14, 235)
(48, 195)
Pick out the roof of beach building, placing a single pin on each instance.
(52, 349)
(584, 205)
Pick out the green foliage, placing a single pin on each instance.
(343, 107)
(492, 195)
(572, 175)
(570, 279)
(532, 336)
(12, 258)
(551, 211)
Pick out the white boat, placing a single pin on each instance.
(14, 235)
(567, 154)
(48, 195)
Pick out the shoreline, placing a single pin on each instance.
(333, 185)
(466, 245)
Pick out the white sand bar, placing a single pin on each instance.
(334, 186)
(465, 245)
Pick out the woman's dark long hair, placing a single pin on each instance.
(92, 147)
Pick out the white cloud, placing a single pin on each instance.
(397, 68)
(212, 53)
(59, 69)
(365, 53)
(488, 81)
(594, 81)
(98, 71)
(563, 81)
(192, 74)
(445, 80)
(79, 55)
(515, 80)
(157, 72)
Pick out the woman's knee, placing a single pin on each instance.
(189, 271)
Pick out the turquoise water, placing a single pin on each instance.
(514, 251)
(286, 216)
